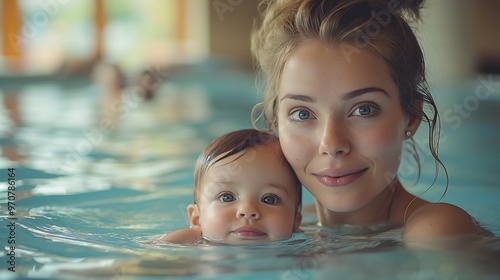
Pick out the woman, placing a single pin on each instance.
(345, 88)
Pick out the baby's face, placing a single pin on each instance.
(249, 200)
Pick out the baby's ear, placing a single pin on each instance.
(193, 214)
(296, 223)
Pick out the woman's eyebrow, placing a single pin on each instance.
(346, 96)
(361, 91)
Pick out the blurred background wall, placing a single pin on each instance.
(460, 37)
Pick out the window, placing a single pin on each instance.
(135, 33)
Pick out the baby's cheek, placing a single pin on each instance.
(282, 223)
(213, 222)
(214, 213)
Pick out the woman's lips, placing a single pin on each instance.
(339, 181)
(248, 232)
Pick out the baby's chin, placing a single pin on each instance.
(246, 240)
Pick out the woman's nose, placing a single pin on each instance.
(334, 140)
(248, 211)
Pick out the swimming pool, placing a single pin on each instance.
(87, 196)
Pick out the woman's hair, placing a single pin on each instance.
(379, 26)
(239, 142)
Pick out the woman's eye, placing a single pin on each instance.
(365, 110)
(271, 199)
(300, 115)
(226, 197)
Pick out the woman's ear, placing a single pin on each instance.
(193, 215)
(414, 121)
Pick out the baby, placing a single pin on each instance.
(245, 193)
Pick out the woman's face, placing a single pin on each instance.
(340, 123)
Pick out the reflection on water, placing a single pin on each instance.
(88, 198)
(301, 257)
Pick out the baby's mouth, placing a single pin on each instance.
(247, 231)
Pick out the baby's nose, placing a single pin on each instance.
(248, 211)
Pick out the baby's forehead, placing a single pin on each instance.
(265, 161)
(263, 153)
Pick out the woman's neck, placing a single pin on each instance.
(379, 211)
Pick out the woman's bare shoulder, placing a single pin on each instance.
(439, 220)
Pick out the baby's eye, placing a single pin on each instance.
(226, 197)
(271, 199)
(300, 115)
(365, 110)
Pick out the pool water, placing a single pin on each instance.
(89, 195)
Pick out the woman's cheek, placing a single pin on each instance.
(297, 155)
(386, 147)
(290, 145)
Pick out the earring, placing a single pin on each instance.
(408, 133)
